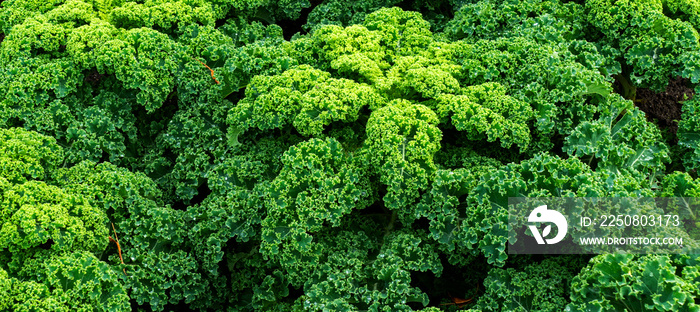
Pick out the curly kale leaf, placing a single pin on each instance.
(445, 206)
(83, 281)
(305, 97)
(340, 275)
(273, 102)
(159, 262)
(256, 282)
(685, 190)
(257, 158)
(685, 10)
(35, 213)
(402, 139)
(486, 110)
(15, 12)
(543, 20)
(107, 186)
(165, 16)
(35, 66)
(141, 59)
(269, 56)
(346, 13)
(317, 184)
(27, 155)
(552, 80)
(197, 132)
(265, 10)
(227, 223)
(219, 219)
(420, 77)
(689, 133)
(362, 268)
(621, 139)
(49, 233)
(20, 295)
(617, 282)
(393, 51)
(401, 253)
(152, 237)
(651, 46)
(384, 34)
(679, 184)
(236, 51)
(84, 84)
(405, 33)
(539, 286)
(353, 50)
(456, 157)
(343, 13)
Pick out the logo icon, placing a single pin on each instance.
(542, 214)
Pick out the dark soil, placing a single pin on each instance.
(665, 107)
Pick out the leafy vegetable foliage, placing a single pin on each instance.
(615, 282)
(365, 164)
